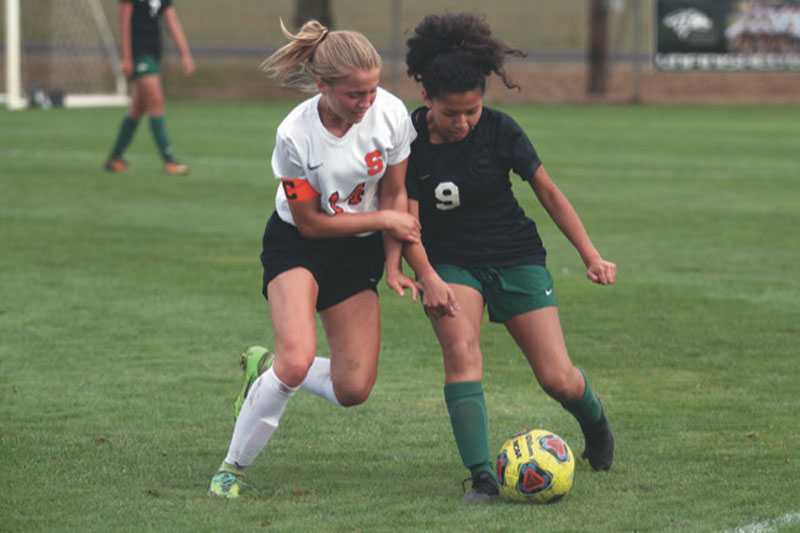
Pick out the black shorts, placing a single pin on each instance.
(342, 266)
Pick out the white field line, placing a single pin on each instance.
(768, 526)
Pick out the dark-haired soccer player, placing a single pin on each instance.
(140, 42)
(478, 243)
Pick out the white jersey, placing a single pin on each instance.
(344, 171)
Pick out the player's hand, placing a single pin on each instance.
(127, 67)
(399, 282)
(402, 226)
(602, 272)
(187, 63)
(438, 297)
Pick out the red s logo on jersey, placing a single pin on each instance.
(374, 162)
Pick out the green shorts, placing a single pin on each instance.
(507, 291)
(144, 65)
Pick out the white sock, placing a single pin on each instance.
(318, 380)
(262, 410)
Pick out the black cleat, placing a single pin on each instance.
(599, 449)
(484, 488)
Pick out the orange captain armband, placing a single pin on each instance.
(298, 189)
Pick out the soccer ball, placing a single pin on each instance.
(536, 466)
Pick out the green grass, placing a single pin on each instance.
(125, 299)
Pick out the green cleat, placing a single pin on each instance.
(225, 484)
(253, 361)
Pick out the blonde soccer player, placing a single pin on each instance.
(341, 158)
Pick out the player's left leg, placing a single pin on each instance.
(353, 331)
(538, 333)
(150, 86)
(292, 296)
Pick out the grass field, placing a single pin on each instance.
(125, 299)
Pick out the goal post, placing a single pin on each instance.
(60, 52)
(13, 93)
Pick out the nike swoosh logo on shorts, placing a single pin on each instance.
(548, 292)
(314, 167)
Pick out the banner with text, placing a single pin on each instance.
(727, 34)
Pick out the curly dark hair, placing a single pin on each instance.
(455, 53)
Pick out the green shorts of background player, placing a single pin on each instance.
(140, 42)
(458, 185)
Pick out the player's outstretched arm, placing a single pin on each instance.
(176, 30)
(566, 218)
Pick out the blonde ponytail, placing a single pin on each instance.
(315, 52)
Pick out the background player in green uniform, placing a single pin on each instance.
(480, 247)
(140, 41)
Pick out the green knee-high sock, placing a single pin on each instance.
(587, 409)
(126, 131)
(467, 408)
(159, 129)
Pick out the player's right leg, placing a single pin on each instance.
(127, 129)
(151, 87)
(459, 337)
(348, 307)
(353, 329)
(292, 297)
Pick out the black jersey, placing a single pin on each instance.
(146, 27)
(468, 211)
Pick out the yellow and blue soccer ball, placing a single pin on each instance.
(536, 466)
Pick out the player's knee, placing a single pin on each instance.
(461, 349)
(293, 373)
(352, 396)
(352, 399)
(462, 361)
(562, 385)
(292, 365)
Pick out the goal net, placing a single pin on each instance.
(60, 52)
